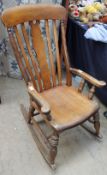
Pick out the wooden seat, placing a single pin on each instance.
(60, 105)
(67, 108)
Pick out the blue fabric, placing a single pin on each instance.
(88, 55)
(97, 33)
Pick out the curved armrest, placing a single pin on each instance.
(45, 108)
(88, 77)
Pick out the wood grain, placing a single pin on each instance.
(60, 106)
(68, 107)
(65, 54)
(88, 77)
(31, 56)
(57, 53)
(50, 54)
(39, 47)
(18, 57)
(21, 14)
(25, 56)
(45, 108)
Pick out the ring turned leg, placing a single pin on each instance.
(53, 140)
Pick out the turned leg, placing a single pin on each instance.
(97, 124)
(53, 140)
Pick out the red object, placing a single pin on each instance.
(103, 19)
(76, 13)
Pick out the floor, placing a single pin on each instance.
(79, 152)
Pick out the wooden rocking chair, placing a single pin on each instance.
(61, 105)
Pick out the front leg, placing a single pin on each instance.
(53, 140)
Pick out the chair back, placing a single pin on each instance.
(33, 51)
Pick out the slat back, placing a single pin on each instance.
(39, 47)
(57, 53)
(24, 13)
(34, 52)
(50, 53)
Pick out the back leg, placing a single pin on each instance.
(30, 113)
(97, 124)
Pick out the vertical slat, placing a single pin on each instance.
(24, 56)
(91, 92)
(31, 55)
(81, 85)
(57, 53)
(65, 54)
(39, 47)
(50, 54)
(18, 56)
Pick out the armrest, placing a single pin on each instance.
(45, 108)
(88, 77)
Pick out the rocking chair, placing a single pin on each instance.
(60, 105)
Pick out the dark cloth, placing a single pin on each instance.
(87, 55)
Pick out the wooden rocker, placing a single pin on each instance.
(60, 105)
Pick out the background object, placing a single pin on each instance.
(88, 55)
